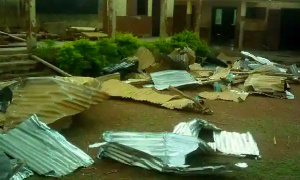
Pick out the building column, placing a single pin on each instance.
(112, 19)
(163, 18)
(189, 11)
(31, 24)
(242, 23)
(198, 16)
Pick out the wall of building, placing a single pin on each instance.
(12, 14)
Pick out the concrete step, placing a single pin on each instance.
(13, 57)
(10, 51)
(15, 63)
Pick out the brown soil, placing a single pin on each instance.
(264, 117)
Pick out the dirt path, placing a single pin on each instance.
(263, 117)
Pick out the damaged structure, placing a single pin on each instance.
(44, 150)
(172, 152)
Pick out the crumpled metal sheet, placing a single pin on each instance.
(44, 150)
(232, 143)
(134, 157)
(176, 78)
(164, 152)
(171, 148)
(22, 174)
(52, 98)
(193, 127)
(6, 168)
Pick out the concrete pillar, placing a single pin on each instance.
(242, 23)
(198, 16)
(163, 18)
(31, 24)
(189, 11)
(112, 19)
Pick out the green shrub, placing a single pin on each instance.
(47, 51)
(127, 44)
(164, 46)
(192, 40)
(70, 60)
(109, 50)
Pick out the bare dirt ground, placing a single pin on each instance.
(264, 117)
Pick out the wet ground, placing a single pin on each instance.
(264, 117)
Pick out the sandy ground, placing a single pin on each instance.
(264, 117)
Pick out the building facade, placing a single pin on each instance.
(256, 24)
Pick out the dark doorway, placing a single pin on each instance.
(272, 35)
(223, 26)
(155, 17)
(180, 18)
(290, 27)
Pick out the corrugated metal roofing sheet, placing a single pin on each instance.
(176, 78)
(116, 88)
(171, 148)
(240, 144)
(52, 98)
(134, 157)
(44, 150)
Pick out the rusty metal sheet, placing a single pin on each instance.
(116, 88)
(52, 98)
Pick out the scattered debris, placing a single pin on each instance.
(289, 95)
(12, 169)
(180, 59)
(220, 74)
(163, 152)
(176, 78)
(266, 84)
(294, 70)
(172, 152)
(198, 104)
(228, 95)
(230, 143)
(120, 89)
(229, 59)
(145, 58)
(125, 67)
(44, 150)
